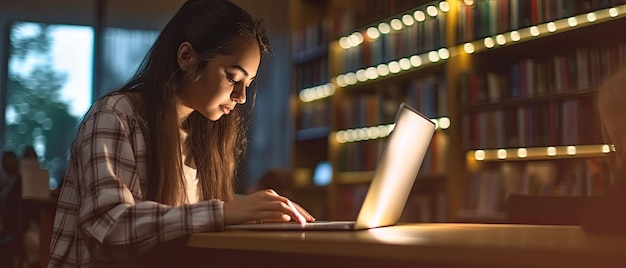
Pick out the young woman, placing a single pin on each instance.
(155, 160)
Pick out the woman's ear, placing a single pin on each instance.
(186, 56)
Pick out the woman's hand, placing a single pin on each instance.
(265, 206)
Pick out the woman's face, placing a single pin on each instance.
(222, 84)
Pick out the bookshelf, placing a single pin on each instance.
(510, 83)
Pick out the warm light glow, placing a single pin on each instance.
(433, 56)
(572, 21)
(444, 6)
(351, 78)
(356, 39)
(613, 12)
(341, 81)
(405, 64)
(479, 155)
(502, 154)
(539, 153)
(341, 136)
(468, 2)
(534, 31)
(408, 20)
(515, 36)
(419, 16)
(591, 17)
(384, 28)
(394, 67)
(469, 48)
(444, 123)
(317, 92)
(571, 150)
(443, 53)
(416, 61)
(373, 33)
(382, 69)
(344, 42)
(396, 24)
(371, 73)
(500, 39)
(489, 42)
(432, 11)
(361, 75)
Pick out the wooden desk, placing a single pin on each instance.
(427, 245)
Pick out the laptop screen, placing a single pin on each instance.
(397, 169)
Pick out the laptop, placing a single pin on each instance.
(397, 168)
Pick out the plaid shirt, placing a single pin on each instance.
(102, 218)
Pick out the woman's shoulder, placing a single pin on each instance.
(119, 103)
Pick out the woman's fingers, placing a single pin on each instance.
(304, 213)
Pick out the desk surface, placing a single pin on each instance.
(445, 244)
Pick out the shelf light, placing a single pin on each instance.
(383, 69)
(371, 73)
(317, 92)
(522, 153)
(419, 16)
(416, 61)
(384, 28)
(408, 20)
(469, 48)
(396, 24)
(432, 11)
(515, 36)
(500, 39)
(502, 154)
(591, 17)
(394, 67)
(534, 31)
(444, 6)
(572, 22)
(539, 153)
(380, 131)
(433, 56)
(405, 64)
(551, 27)
(372, 33)
(489, 42)
(443, 53)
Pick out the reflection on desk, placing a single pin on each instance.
(431, 245)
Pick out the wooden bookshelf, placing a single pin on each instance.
(471, 65)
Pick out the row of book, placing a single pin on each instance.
(567, 122)
(426, 94)
(582, 69)
(410, 40)
(489, 17)
(312, 73)
(313, 114)
(364, 155)
(487, 190)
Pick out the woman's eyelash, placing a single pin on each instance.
(231, 79)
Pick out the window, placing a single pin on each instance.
(49, 88)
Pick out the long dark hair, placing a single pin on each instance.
(212, 27)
